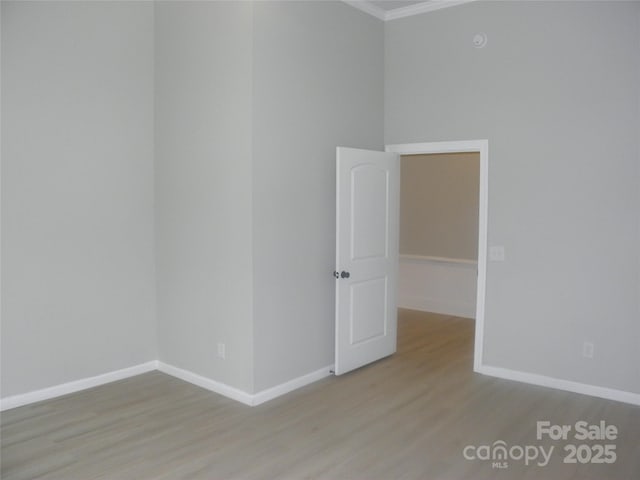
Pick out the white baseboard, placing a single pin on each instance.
(439, 285)
(239, 395)
(434, 305)
(286, 387)
(75, 386)
(206, 383)
(190, 377)
(559, 384)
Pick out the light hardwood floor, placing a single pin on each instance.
(405, 417)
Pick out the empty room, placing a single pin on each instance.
(320, 239)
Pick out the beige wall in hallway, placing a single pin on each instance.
(439, 205)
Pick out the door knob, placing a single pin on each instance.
(344, 274)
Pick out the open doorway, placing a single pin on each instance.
(367, 250)
(419, 267)
(439, 196)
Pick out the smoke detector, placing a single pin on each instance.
(480, 40)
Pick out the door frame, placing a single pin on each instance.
(463, 146)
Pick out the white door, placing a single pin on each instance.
(367, 229)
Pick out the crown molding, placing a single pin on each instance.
(367, 7)
(425, 7)
(386, 15)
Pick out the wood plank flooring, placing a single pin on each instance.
(406, 417)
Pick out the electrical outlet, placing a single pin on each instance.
(496, 253)
(587, 350)
(222, 351)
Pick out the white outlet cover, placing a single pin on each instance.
(496, 253)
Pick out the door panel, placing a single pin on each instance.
(369, 200)
(367, 216)
(368, 316)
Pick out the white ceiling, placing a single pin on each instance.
(390, 9)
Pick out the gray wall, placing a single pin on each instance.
(77, 191)
(439, 196)
(317, 83)
(556, 91)
(250, 102)
(85, 87)
(203, 187)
